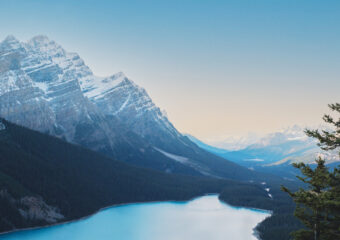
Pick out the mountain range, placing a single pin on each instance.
(45, 88)
(275, 152)
(72, 143)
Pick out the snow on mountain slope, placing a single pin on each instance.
(234, 143)
(275, 152)
(294, 133)
(97, 87)
(46, 88)
(39, 86)
(175, 157)
(119, 96)
(309, 157)
(62, 85)
(188, 162)
(282, 147)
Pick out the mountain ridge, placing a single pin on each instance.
(46, 88)
(275, 152)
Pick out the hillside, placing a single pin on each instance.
(48, 89)
(45, 180)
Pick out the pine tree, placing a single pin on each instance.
(310, 202)
(333, 204)
(328, 140)
(318, 206)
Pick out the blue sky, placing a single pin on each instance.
(217, 67)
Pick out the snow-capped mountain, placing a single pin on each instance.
(119, 96)
(39, 88)
(234, 143)
(294, 133)
(276, 151)
(46, 88)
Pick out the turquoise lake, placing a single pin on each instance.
(199, 219)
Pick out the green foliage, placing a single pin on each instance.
(282, 221)
(318, 206)
(328, 140)
(311, 202)
(333, 203)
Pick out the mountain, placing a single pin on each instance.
(234, 143)
(45, 180)
(275, 152)
(87, 132)
(210, 148)
(46, 88)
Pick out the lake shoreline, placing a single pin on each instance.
(97, 211)
(133, 203)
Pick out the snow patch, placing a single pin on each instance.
(177, 158)
(123, 105)
(96, 87)
(298, 138)
(267, 190)
(43, 86)
(254, 160)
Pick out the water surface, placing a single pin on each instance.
(199, 219)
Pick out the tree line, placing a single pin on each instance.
(318, 204)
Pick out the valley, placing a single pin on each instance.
(275, 152)
(72, 143)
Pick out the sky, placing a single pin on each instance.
(218, 68)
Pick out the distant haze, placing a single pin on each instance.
(218, 68)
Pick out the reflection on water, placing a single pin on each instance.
(200, 219)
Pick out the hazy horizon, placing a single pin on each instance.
(220, 69)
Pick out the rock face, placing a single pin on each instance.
(36, 209)
(118, 96)
(33, 208)
(48, 89)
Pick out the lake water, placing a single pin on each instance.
(199, 219)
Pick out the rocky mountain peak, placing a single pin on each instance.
(39, 40)
(10, 43)
(60, 80)
(45, 48)
(10, 39)
(46, 88)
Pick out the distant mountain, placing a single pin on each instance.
(276, 151)
(276, 146)
(46, 88)
(234, 143)
(45, 180)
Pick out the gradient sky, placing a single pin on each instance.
(218, 68)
